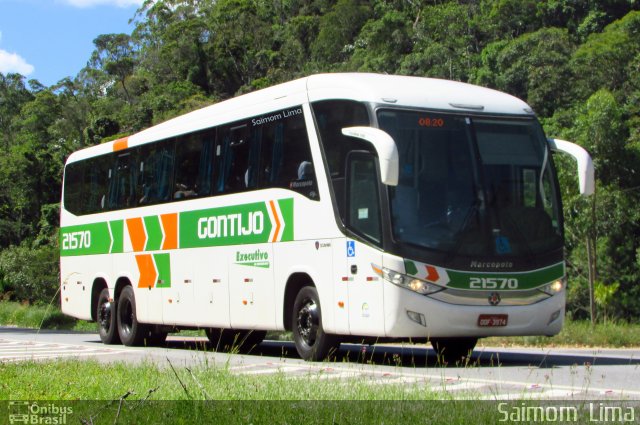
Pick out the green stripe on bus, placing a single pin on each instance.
(85, 239)
(286, 207)
(117, 232)
(154, 233)
(410, 267)
(231, 225)
(163, 265)
(234, 225)
(525, 280)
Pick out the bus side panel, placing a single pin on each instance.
(76, 280)
(251, 287)
(177, 295)
(148, 308)
(211, 288)
(340, 283)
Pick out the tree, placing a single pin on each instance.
(338, 29)
(534, 67)
(13, 95)
(445, 42)
(602, 61)
(115, 55)
(605, 230)
(383, 41)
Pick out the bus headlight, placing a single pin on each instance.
(409, 282)
(554, 287)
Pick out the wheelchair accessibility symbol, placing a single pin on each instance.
(351, 248)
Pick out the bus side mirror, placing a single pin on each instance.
(385, 147)
(585, 164)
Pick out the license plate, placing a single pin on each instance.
(492, 320)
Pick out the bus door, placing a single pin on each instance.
(366, 308)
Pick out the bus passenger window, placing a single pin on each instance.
(194, 165)
(286, 155)
(74, 187)
(123, 185)
(236, 156)
(86, 184)
(156, 172)
(97, 183)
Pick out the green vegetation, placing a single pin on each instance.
(273, 398)
(67, 380)
(125, 393)
(39, 317)
(576, 62)
(577, 334)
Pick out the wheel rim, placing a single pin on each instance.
(104, 316)
(126, 317)
(308, 322)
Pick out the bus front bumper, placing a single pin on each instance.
(408, 314)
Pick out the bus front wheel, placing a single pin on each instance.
(130, 330)
(453, 350)
(106, 318)
(312, 343)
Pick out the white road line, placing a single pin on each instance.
(49, 356)
(502, 383)
(16, 350)
(464, 386)
(47, 350)
(542, 395)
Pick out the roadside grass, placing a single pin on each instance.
(97, 393)
(577, 334)
(213, 394)
(39, 317)
(67, 380)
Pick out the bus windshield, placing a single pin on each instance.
(472, 185)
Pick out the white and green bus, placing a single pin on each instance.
(340, 207)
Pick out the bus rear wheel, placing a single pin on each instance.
(106, 318)
(130, 330)
(453, 350)
(312, 343)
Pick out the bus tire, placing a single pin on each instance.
(453, 350)
(106, 318)
(312, 343)
(130, 330)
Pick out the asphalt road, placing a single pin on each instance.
(492, 373)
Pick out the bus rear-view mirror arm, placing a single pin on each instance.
(585, 164)
(386, 150)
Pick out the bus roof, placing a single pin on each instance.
(415, 92)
